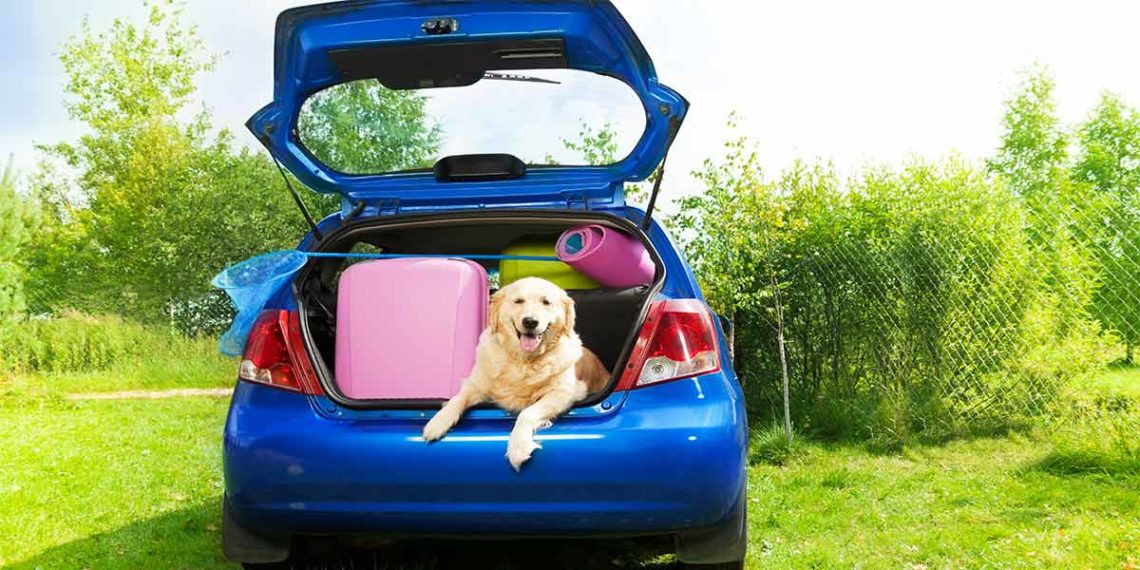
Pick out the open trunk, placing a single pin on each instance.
(608, 320)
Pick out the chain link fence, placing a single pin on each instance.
(932, 300)
(927, 300)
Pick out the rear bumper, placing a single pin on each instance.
(672, 458)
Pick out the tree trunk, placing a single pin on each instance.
(783, 358)
(784, 378)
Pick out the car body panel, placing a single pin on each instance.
(670, 458)
(665, 458)
(651, 460)
(597, 39)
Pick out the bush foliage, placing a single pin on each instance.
(933, 298)
(74, 342)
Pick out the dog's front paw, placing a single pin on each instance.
(519, 450)
(436, 428)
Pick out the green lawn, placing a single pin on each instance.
(1119, 379)
(988, 503)
(111, 484)
(136, 484)
(202, 368)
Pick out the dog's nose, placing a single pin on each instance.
(530, 323)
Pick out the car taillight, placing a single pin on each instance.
(275, 354)
(678, 340)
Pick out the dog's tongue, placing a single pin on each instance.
(529, 343)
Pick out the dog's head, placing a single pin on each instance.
(530, 315)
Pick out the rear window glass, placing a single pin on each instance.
(543, 117)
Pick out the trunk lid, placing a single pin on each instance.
(416, 44)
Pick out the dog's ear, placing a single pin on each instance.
(493, 312)
(569, 315)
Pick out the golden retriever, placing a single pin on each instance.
(529, 361)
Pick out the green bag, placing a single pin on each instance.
(556, 272)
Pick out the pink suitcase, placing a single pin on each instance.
(407, 328)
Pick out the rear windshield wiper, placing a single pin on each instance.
(523, 78)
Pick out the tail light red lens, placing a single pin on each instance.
(678, 340)
(275, 354)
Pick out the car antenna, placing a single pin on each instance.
(674, 126)
(298, 200)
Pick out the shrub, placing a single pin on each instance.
(770, 445)
(913, 305)
(76, 342)
(1093, 430)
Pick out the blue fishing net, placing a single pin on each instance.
(250, 284)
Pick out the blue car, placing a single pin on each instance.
(660, 452)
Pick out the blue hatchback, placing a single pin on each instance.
(661, 451)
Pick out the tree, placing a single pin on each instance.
(1109, 161)
(1034, 146)
(1034, 162)
(16, 227)
(598, 147)
(736, 232)
(1109, 148)
(361, 127)
(159, 202)
(595, 147)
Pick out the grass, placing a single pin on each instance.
(111, 484)
(1096, 432)
(1117, 380)
(75, 353)
(969, 504)
(133, 484)
(770, 445)
(199, 367)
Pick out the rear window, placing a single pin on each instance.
(540, 116)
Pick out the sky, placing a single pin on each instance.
(849, 82)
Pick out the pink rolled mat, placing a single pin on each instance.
(607, 256)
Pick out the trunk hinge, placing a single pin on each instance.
(350, 214)
(674, 126)
(388, 206)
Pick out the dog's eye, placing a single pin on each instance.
(546, 302)
(519, 301)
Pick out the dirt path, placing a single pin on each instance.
(152, 394)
